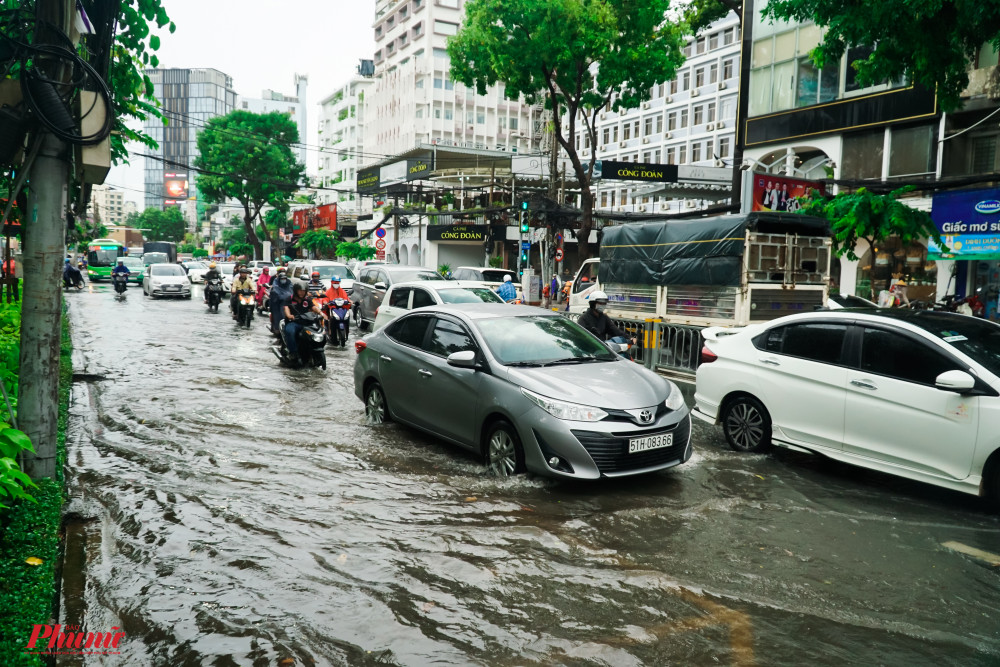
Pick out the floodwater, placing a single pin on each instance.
(227, 511)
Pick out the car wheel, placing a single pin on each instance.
(747, 424)
(359, 319)
(503, 452)
(376, 408)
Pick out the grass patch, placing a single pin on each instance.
(28, 593)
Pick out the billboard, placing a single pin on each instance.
(777, 193)
(321, 217)
(176, 188)
(969, 223)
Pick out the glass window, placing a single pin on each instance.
(784, 89)
(699, 77)
(713, 41)
(724, 147)
(862, 155)
(987, 56)
(449, 114)
(699, 115)
(728, 68)
(445, 28)
(760, 91)
(684, 118)
(606, 135)
(784, 46)
(682, 155)
(976, 338)
(816, 341)
(408, 330)
(447, 337)
(984, 154)
(627, 132)
(422, 298)
(713, 73)
(539, 339)
(400, 298)
(685, 80)
(902, 358)
(855, 53)
(671, 121)
(912, 151)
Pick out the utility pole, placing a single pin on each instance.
(44, 245)
(742, 103)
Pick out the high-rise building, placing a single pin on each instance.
(341, 140)
(107, 203)
(189, 98)
(293, 105)
(414, 100)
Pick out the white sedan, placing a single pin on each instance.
(910, 393)
(403, 297)
(166, 280)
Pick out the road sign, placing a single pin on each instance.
(559, 254)
(538, 234)
(380, 232)
(380, 244)
(380, 254)
(525, 245)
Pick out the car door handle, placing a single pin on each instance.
(384, 357)
(864, 384)
(426, 373)
(769, 361)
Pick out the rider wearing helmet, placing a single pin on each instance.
(281, 295)
(120, 268)
(336, 291)
(241, 283)
(71, 274)
(507, 291)
(315, 285)
(211, 274)
(595, 321)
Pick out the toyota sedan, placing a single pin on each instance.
(166, 280)
(525, 388)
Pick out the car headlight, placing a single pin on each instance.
(563, 410)
(675, 400)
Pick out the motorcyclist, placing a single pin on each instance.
(300, 303)
(507, 291)
(597, 322)
(241, 283)
(210, 275)
(262, 282)
(71, 274)
(336, 291)
(281, 294)
(315, 286)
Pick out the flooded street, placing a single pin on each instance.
(232, 512)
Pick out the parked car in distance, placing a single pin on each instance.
(257, 265)
(135, 267)
(488, 275)
(909, 393)
(525, 388)
(403, 297)
(373, 281)
(299, 271)
(166, 280)
(196, 270)
(356, 265)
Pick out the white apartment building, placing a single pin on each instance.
(689, 121)
(414, 101)
(342, 145)
(293, 105)
(109, 204)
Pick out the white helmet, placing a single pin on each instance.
(506, 278)
(598, 296)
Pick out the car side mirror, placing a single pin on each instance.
(379, 285)
(463, 359)
(957, 381)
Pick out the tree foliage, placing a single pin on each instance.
(582, 56)
(157, 225)
(199, 252)
(321, 242)
(862, 215)
(83, 231)
(249, 157)
(354, 250)
(932, 43)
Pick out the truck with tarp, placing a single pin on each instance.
(729, 270)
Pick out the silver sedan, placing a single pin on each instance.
(525, 388)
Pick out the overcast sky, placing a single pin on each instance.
(262, 44)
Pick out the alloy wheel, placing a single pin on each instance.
(502, 455)
(375, 406)
(745, 425)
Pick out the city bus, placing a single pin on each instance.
(102, 255)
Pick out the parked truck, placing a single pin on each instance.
(685, 275)
(159, 251)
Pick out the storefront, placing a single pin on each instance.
(969, 223)
(457, 245)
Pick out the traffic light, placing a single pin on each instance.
(524, 257)
(525, 227)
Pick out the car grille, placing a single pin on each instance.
(610, 450)
(622, 416)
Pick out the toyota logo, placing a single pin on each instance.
(646, 416)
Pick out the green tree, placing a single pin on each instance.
(581, 55)
(932, 43)
(249, 157)
(321, 242)
(167, 225)
(84, 231)
(354, 250)
(199, 252)
(873, 218)
(132, 219)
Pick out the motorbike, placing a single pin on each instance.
(623, 346)
(244, 308)
(263, 299)
(339, 312)
(311, 339)
(213, 293)
(73, 279)
(121, 283)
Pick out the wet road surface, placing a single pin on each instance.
(233, 512)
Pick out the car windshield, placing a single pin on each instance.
(496, 276)
(538, 340)
(226, 267)
(405, 276)
(469, 295)
(978, 339)
(154, 258)
(166, 270)
(327, 272)
(196, 265)
(132, 262)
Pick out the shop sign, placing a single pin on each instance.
(969, 224)
(417, 168)
(777, 193)
(369, 180)
(635, 171)
(457, 233)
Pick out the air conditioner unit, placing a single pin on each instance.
(645, 140)
(720, 163)
(667, 135)
(689, 203)
(694, 92)
(642, 208)
(709, 126)
(720, 125)
(471, 128)
(604, 148)
(621, 144)
(722, 85)
(603, 116)
(669, 99)
(645, 105)
(520, 134)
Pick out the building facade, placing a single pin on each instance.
(293, 105)
(188, 98)
(342, 145)
(109, 204)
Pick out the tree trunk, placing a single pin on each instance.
(258, 247)
(586, 221)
